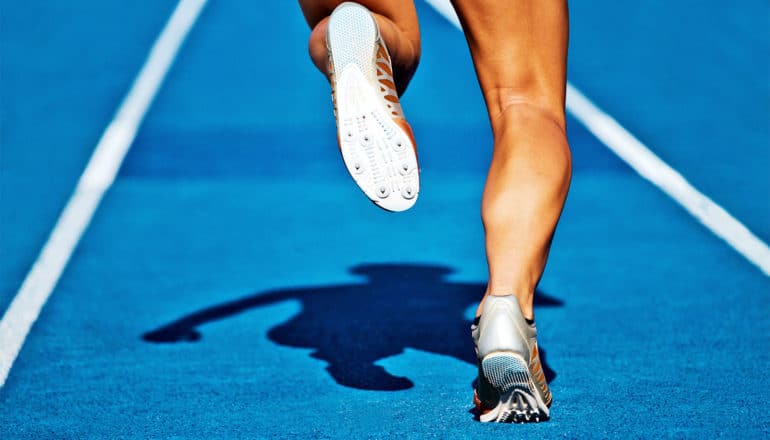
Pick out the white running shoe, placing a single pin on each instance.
(511, 385)
(376, 142)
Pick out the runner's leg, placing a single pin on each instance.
(519, 49)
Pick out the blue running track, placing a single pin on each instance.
(234, 283)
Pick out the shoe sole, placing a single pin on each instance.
(378, 154)
(509, 374)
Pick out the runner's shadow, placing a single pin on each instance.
(351, 326)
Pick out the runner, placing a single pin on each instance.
(369, 51)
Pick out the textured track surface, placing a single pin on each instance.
(233, 227)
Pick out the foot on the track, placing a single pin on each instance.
(511, 385)
(376, 142)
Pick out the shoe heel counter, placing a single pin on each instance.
(499, 330)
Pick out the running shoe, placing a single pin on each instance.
(376, 142)
(511, 386)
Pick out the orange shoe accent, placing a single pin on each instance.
(387, 83)
(479, 406)
(385, 67)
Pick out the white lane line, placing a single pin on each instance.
(445, 8)
(652, 168)
(94, 182)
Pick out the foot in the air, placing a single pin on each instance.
(511, 385)
(376, 142)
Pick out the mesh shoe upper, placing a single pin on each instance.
(502, 327)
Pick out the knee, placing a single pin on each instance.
(523, 124)
(523, 104)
